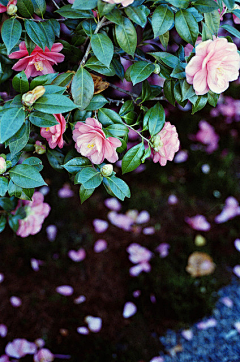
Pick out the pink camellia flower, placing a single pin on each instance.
(36, 212)
(123, 2)
(54, 134)
(165, 144)
(43, 355)
(215, 64)
(230, 210)
(3, 8)
(207, 136)
(39, 62)
(92, 142)
(19, 348)
(198, 222)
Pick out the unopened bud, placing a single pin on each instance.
(200, 240)
(11, 9)
(40, 149)
(106, 170)
(29, 98)
(157, 69)
(3, 165)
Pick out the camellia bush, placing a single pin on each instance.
(77, 79)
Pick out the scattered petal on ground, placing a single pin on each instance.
(78, 255)
(100, 245)
(237, 244)
(15, 301)
(51, 231)
(82, 330)
(113, 204)
(149, 230)
(236, 270)
(172, 200)
(94, 323)
(1, 277)
(65, 290)
(19, 348)
(187, 334)
(80, 299)
(129, 310)
(227, 302)
(3, 330)
(163, 249)
(100, 225)
(65, 192)
(207, 324)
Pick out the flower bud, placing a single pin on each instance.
(11, 9)
(3, 165)
(40, 149)
(157, 68)
(106, 170)
(29, 98)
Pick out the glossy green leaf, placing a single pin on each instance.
(118, 187)
(39, 7)
(36, 33)
(55, 158)
(41, 119)
(181, 4)
(132, 159)
(26, 176)
(25, 8)
(11, 32)
(14, 190)
(35, 162)
(84, 5)
(138, 14)
(168, 90)
(82, 88)
(63, 79)
(169, 59)
(213, 98)
(20, 139)
(205, 6)
(126, 36)
(76, 164)
(104, 8)
(140, 71)
(117, 130)
(115, 16)
(3, 185)
(102, 47)
(229, 3)
(89, 177)
(200, 103)
(108, 116)
(162, 20)
(85, 193)
(187, 91)
(212, 21)
(20, 83)
(186, 26)
(94, 64)
(3, 222)
(97, 102)
(68, 12)
(231, 30)
(154, 119)
(54, 103)
(11, 121)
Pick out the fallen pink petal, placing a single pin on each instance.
(65, 290)
(129, 310)
(100, 226)
(100, 245)
(77, 255)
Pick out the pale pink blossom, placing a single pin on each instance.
(94, 323)
(211, 322)
(230, 210)
(39, 62)
(215, 64)
(165, 144)
(113, 204)
(36, 212)
(19, 348)
(3, 165)
(189, 47)
(3, 8)
(43, 355)
(163, 250)
(100, 245)
(198, 222)
(129, 310)
(65, 290)
(54, 134)
(122, 2)
(207, 136)
(15, 301)
(78, 255)
(91, 142)
(3, 330)
(100, 225)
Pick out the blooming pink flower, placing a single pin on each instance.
(43, 355)
(39, 62)
(123, 2)
(5, 8)
(165, 144)
(54, 134)
(230, 210)
(215, 64)
(198, 222)
(19, 348)
(92, 142)
(36, 212)
(207, 136)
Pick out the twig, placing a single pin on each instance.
(55, 4)
(132, 95)
(117, 101)
(139, 57)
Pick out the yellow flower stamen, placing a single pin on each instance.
(39, 66)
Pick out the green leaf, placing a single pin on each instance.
(147, 154)
(94, 64)
(186, 26)
(187, 91)
(126, 36)
(40, 119)
(117, 130)
(115, 17)
(20, 139)
(104, 8)
(108, 116)
(85, 193)
(126, 107)
(200, 103)
(39, 7)
(68, 12)
(3, 222)
(141, 71)
(48, 32)
(89, 177)
(20, 83)
(84, 5)
(212, 21)
(117, 186)
(26, 176)
(54, 89)
(3, 185)
(229, 3)
(138, 14)
(205, 6)
(213, 98)
(76, 164)
(118, 67)
(11, 32)
(63, 79)
(164, 39)
(179, 71)
(55, 158)
(132, 159)
(181, 4)
(25, 8)
(42, 80)
(102, 47)
(11, 121)
(36, 33)
(162, 20)
(154, 119)
(82, 88)
(35, 162)
(168, 90)
(231, 30)
(14, 190)
(54, 103)
(97, 102)
(166, 58)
